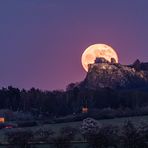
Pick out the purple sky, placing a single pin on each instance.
(41, 41)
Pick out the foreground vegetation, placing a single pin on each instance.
(52, 107)
(117, 133)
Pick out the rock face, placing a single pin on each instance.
(115, 76)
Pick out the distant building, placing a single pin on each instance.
(84, 109)
(113, 61)
(100, 60)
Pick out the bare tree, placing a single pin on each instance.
(134, 136)
(66, 135)
(99, 136)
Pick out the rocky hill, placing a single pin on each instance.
(103, 74)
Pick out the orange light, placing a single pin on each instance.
(84, 110)
(2, 120)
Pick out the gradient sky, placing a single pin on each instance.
(41, 41)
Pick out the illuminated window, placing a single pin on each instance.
(84, 110)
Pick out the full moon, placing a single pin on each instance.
(97, 50)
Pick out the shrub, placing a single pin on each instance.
(43, 134)
(61, 142)
(89, 126)
(134, 136)
(105, 137)
(19, 138)
(69, 132)
(66, 135)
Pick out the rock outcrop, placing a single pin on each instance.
(113, 75)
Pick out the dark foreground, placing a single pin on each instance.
(129, 132)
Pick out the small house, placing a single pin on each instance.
(84, 110)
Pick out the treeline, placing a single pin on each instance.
(61, 103)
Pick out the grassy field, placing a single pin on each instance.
(58, 126)
(115, 121)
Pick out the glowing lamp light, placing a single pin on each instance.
(84, 110)
(2, 119)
